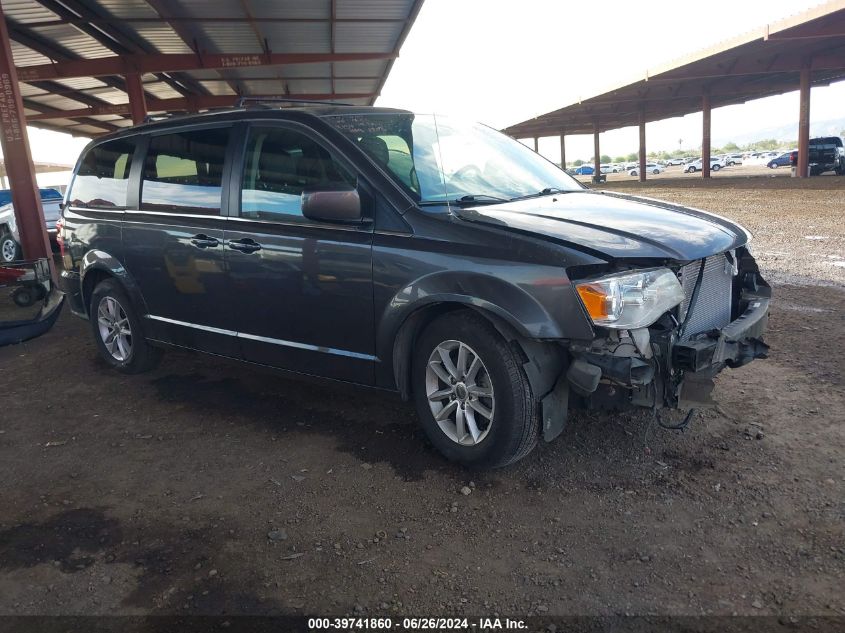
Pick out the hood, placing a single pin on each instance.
(615, 226)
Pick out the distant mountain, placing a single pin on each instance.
(785, 132)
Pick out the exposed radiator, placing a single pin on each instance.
(712, 309)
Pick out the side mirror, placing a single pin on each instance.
(337, 205)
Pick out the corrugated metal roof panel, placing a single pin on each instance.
(291, 9)
(81, 83)
(71, 38)
(374, 68)
(382, 9)
(309, 86)
(87, 129)
(27, 11)
(57, 101)
(221, 37)
(25, 56)
(217, 87)
(160, 90)
(206, 9)
(366, 37)
(356, 85)
(106, 117)
(218, 26)
(298, 37)
(161, 37)
(128, 9)
(28, 90)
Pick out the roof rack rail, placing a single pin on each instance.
(267, 101)
(163, 116)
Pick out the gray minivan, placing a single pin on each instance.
(411, 253)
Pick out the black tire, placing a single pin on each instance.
(691, 169)
(513, 431)
(10, 250)
(655, 172)
(716, 167)
(141, 355)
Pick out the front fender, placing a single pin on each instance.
(96, 262)
(526, 306)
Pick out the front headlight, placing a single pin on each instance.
(628, 301)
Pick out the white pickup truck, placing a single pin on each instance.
(10, 247)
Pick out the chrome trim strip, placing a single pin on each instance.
(196, 326)
(265, 339)
(177, 215)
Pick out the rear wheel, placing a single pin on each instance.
(10, 250)
(715, 167)
(471, 393)
(117, 330)
(691, 169)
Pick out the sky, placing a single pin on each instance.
(501, 62)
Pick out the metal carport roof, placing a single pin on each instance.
(73, 57)
(758, 64)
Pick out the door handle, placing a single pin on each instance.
(245, 245)
(203, 241)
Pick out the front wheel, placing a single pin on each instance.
(10, 250)
(690, 170)
(471, 393)
(117, 330)
(715, 168)
(655, 172)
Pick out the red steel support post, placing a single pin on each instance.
(563, 151)
(18, 158)
(705, 136)
(137, 99)
(641, 170)
(597, 155)
(804, 126)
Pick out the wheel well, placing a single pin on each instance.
(403, 347)
(90, 282)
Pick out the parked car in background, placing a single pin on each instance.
(782, 160)
(674, 161)
(650, 168)
(715, 165)
(825, 154)
(733, 159)
(584, 170)
(10, 247)
(409, 253)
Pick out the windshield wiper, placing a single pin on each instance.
(470, 199)
(543, 192)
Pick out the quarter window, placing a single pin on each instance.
(280, 164)
(183, 172)
(102, 180)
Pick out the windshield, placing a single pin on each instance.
(436, 159)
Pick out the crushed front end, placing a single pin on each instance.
(719, 314)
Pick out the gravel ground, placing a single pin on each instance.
(207, 487)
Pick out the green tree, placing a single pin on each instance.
(730, 147)
(619, 159)
(605, 159)
(578, 162)
(632, 157)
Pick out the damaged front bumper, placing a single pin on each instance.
(657, 367)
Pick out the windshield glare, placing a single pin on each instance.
(437, 159)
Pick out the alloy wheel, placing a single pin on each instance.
(114, 328)
(8, 250)
(460, 392)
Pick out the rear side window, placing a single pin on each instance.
(280, 164)
(183, 172)
(102, 181)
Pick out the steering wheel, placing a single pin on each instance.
(467, 171)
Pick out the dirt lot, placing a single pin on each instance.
(207, 487)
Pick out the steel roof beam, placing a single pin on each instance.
(181, 104)
(176, 62)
